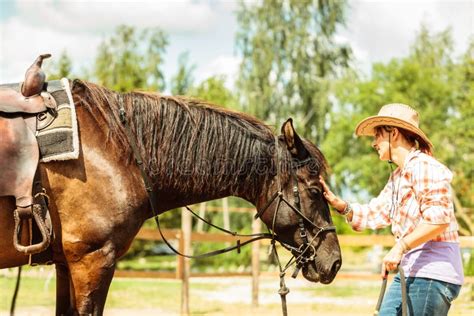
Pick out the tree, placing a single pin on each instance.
(289, 57)
(62, 68)
(182, 82)
(213, 90)
(435, 83)
(131, 59)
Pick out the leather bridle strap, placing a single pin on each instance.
(215, 252)
(274, 196)
(404, 292)
(220, 228)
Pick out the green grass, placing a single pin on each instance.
(160, 296)
(150, 263)
(34, 291)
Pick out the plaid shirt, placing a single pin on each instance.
(420, 192)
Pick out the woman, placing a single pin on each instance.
(417, 203)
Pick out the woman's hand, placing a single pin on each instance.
(392, 259)
(335, 201)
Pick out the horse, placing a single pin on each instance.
(192, 151)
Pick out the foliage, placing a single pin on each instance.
(62, 68)
(230, 261)
(182, 82)
(435, 83)
(213, 90)
(289, 59)
(469, 263)
(131, 60)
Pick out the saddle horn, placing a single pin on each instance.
(34, 77)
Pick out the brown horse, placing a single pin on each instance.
(192, 152)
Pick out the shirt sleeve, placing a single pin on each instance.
(375, 214)
(431, 184)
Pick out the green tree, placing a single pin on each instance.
(182, 82)
(289, 57)
(59, 68)
(213, 90)
(131, 59)
(435, 83)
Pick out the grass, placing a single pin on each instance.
(150, 263)
(211, 296)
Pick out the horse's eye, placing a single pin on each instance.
(315, 191)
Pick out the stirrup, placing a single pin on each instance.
(25, 213)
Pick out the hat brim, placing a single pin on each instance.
(367, 126)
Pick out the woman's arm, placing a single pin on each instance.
(421, 234)
(373, 215)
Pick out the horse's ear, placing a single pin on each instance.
(78, 87)
(293, 141)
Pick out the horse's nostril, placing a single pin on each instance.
(335, 267)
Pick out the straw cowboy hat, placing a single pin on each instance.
(394, 114)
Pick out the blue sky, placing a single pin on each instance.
(376, 30)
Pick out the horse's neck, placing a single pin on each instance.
(189, 184)
(199, 154)
(172, 196)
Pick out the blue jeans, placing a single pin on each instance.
(426, 297)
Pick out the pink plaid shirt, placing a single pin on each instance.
(420, 192)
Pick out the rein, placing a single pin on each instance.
(384, 286)
(301, 259)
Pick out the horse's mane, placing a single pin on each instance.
(215, 148)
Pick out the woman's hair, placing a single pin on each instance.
(411, 137)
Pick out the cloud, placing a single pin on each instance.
(79, 26)
(105, 15)
(21, 43)
(225, 65)
(379, 31)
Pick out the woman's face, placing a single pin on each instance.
(381, 144)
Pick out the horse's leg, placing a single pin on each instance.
(91, 275)
(63, 297)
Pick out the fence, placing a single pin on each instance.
(185, 235)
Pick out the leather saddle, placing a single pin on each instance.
(20, 113)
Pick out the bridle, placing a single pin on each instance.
(302, 255)
(306, 252)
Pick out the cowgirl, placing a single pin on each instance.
(417, 203)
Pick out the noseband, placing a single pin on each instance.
(306, 252)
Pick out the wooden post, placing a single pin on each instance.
(225, 207)
(255, 263)
(202, 213)
(185, 240)
(180, 259)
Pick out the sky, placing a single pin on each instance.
(376, 30)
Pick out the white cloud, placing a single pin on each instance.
(22, 43)
(222, 65)
(105, 15)
(79, 27)
(381, 30)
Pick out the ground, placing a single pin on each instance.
(214, 296)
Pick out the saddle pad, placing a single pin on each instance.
(60, 140)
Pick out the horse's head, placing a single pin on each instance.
(294, 208)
